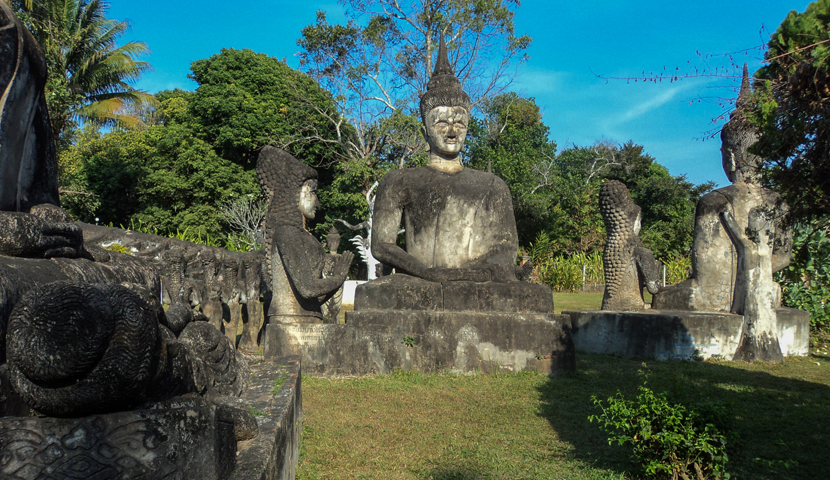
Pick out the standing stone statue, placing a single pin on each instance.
(716, 275)
(629, 267)
(459, 222)
(331, 308)
(31, 223)
(296, 259)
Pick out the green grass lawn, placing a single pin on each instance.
(528, 426)
(576, 301)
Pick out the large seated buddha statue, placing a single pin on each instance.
(459, 222)
(715, 260)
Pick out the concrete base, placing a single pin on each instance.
(667, 335)
(378, 342)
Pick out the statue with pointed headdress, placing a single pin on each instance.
(716, 273)
(459, 222)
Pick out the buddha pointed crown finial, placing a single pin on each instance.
(738, 135)
(444, 88)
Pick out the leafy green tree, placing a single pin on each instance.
(164, 177)
(90, 76)
(246, 100)
(793, 110)
(378, 68)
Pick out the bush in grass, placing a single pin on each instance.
(669, 440)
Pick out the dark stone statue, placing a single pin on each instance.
(28, 166)
(296, 259)
(629, 267)
(459, 222)
(32, 223)
(716, 275)
(82, 331)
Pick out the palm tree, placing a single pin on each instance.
(89, 75)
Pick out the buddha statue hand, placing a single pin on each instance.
(29, 235)
(342, 264)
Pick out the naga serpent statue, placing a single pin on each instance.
(628, 265)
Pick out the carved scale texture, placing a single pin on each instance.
(75, 349)
(619, 214)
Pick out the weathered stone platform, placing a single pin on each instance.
(275, 397)
(410, 324)
(667, 335)
(182, 438)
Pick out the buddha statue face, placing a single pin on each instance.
(308, 199)
(446, 129)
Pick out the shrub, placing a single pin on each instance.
(669, 440)
(678, 269)
(806, 281)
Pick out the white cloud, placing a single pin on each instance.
(663, 97)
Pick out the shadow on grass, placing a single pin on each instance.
(778, 416)
(454, 473)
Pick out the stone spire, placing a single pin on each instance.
(737, 136)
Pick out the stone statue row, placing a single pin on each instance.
(740, 241)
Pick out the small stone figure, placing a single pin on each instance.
(296, 259)
(629, 267)
(331, 308)
(715, 272)
(459, 221)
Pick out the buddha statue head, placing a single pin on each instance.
(737, 136)
(445, 111)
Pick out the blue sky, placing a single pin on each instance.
(573, 42)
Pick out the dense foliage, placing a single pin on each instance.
(806, 281)
(793, 110)
(163, 176)
(199, 152)
(669, 441)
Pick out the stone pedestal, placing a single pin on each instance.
(680, 335)
(401, 322)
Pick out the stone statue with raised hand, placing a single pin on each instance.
(459, 221)
(715, 272)
(296, 259)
